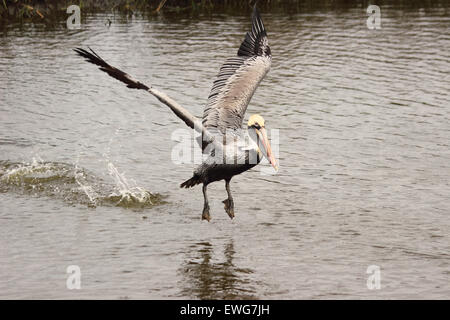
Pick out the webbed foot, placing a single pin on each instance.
(229, 207)
(205, 214)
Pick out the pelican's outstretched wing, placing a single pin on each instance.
(181, 112)
(238, 79)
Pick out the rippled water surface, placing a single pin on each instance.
(86, 176)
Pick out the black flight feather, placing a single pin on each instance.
(94, 58)
(255, 42)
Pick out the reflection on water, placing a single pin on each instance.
(209, 275)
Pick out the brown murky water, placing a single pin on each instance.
(86, 176)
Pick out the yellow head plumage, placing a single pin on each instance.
(256, 120)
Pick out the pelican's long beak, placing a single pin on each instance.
(267, 152)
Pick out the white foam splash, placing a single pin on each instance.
(80, 177)
(36, 165)
(74, 184)
(128, 191)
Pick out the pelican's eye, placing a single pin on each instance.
(257, 126)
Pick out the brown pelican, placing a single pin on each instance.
(229, 150)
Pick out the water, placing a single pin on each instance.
(87, 177)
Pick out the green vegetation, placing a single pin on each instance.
(45, 10)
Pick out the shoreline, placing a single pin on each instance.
(49, 10)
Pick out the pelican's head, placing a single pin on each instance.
(256, 123)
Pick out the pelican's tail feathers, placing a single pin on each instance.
(191, 182)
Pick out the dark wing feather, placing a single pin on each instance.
(181, 112)
(94, 58)
(238, 79)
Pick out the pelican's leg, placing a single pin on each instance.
(229, 204)
(205, 214)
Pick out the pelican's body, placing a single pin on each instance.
(229, 149)
(227, 160)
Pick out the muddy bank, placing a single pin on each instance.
(47, 10)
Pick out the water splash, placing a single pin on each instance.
(37, 176)
(81, 180)
(127, 192)
(74, 184)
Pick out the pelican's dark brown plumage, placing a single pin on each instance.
(228, 149)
